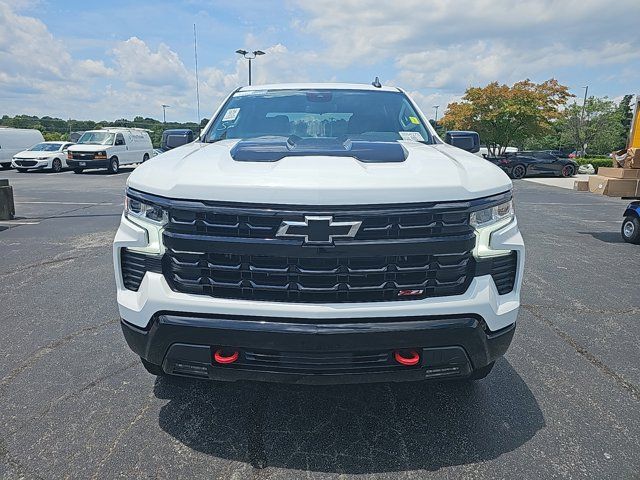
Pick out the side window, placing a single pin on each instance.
(119, 139)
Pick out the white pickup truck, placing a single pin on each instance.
(319, 233)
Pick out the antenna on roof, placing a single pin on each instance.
(376, 83)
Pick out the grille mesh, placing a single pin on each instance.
(503, 272)
(337, 279)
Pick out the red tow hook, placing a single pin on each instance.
(406, 357)
(220, 356)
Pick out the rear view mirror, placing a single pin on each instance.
(174, 141)
(469, 141)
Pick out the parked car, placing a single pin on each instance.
(110, 148)
(523, 164)
(631, 223)
(484, 151)
(14, 140)
(51, 155)
(556, 153)
(319, 233)
(176, 137)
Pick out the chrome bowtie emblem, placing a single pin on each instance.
(318, 230)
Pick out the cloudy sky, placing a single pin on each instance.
(116, 59)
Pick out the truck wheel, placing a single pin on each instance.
(78, 170)
(145, 158)
(480, 373)
(518, 171)
(152, 368)
(56, 165)
(631, 230)
(113, 165)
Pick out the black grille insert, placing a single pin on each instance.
(406, 223)
(135, 265)
(318, 362)
(503, 272)
(318, 279)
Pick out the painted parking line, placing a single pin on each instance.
(63, 203)
(11, 223)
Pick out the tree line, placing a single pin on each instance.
(59, 129)
(540, 116)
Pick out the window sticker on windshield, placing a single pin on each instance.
(230, 114)
(414, 120)
(414, 136)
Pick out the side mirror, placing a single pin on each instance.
(174, 141)
(469, 141)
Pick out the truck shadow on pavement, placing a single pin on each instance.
(352, 429)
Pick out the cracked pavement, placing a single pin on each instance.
(76, 403)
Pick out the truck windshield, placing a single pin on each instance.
(340, 114)
(97, 138)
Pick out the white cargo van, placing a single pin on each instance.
(14, 140)
(110, 148)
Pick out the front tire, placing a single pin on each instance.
(518, 172)
(152, 368)
(568, 171)
(56, 165)
(114, 166)
(481, 373)
(631, 230)
(145, 158)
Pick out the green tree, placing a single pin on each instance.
(600, 130)
(504, 115)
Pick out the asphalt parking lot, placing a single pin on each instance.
(76, 403)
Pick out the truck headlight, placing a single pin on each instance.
(492, 215)
(487, 221)
(147, 212)
(150, 217)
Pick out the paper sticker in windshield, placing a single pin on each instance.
(414, 136)
(230, 115)
(414, 120)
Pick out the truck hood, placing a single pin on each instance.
(87, 147)
(201, 171)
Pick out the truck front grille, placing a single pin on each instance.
(397, 253)
(318, 279)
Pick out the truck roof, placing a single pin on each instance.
(319, 86)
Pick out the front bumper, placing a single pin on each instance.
(28, 164)
(88, 163)
(299, 351)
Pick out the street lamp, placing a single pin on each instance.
(436, 107)
(164, 112)
(584, 102)
(250, 56)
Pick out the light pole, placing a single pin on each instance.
(250, 56)
(584, 104)
(164, 112)
(436, 107)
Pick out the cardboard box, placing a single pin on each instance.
(618, 158)
(633, 158)
(581, 185)
(613, 187)
(613, 172)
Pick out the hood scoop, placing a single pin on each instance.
(272, 149)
